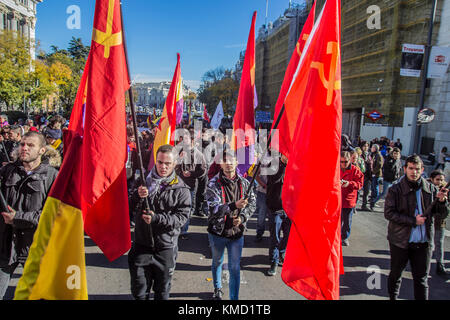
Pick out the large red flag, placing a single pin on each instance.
(244, 119)
(311, 197)
(104, 198)
(289, 118)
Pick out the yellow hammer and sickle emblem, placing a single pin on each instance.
(108, 39)
(331, 84)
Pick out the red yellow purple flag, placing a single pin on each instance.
(167, 124)
(312, 198)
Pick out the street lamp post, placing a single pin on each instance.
(425, 75)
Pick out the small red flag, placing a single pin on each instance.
(312, 198)
(205, 115)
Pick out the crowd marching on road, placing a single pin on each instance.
(183, 182)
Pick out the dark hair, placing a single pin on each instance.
(444, 149)
(363, 143)
(17, 129)
(414, 159)
(40, 137)
(436, 173)
(396, 150)
(167, 148)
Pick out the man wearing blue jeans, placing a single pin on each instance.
(229, 209)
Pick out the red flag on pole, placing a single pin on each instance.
(312, 198)
(205, 114)
(104, 199)
(288, 120)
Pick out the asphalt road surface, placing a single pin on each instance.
(366, 263)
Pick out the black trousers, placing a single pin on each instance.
(151, 269)
(419, 256)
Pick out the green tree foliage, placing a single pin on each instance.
(23, 79)
(75, 58)
(15, 67)
(219, 85)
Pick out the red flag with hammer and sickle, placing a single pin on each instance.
(312, 191)
(104, 196)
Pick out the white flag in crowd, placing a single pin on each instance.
(218, 116)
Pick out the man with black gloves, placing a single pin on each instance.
(411, 206)
(278, 220)
(153, 254)
(25, 185)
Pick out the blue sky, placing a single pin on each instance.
(207, 33)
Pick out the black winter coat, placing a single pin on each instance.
(171, 206)
(274, 187)
(392, 169)
(400, 206)
(26, 194)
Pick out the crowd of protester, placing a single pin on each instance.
(181, 181)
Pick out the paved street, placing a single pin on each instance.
(192, 280)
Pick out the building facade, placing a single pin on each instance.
(371, 61)
(154, 94)
(436, 134)
(274, 47)
(20, 16)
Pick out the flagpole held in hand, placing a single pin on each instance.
(258, 166)
(133, 114)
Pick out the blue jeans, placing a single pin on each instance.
(261, 213)
(234, 249)
(346, 222)
(438, 236)
(278, 221)
(386, 186)
(375, 190)
(185, 228)
(6, 273)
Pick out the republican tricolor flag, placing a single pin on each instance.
(312, 192)
(90, 191)
(170, 115)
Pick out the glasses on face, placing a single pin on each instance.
(346, 161)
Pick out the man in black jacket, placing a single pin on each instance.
(25, 185)
(191, 168)
(152, 257)
(278, 220)
(411, 206)
(392, 171)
